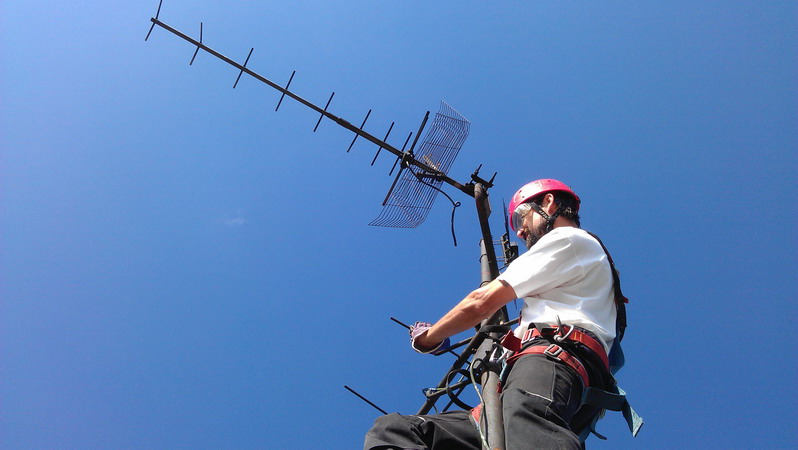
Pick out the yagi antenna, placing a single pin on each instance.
(422, 170)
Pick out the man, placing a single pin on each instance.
(567, 327)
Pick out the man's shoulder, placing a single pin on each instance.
(572, 233)
(581, 239)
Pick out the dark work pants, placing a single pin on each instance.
(539, 399)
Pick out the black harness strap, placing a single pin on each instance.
(620, 299)
(595, 400)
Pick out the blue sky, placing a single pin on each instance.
(182, 267)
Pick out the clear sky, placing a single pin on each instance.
(182, 267)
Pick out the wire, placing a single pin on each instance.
(455, 204)
(481, 402)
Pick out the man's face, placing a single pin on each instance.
(532, 228)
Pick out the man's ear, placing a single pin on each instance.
(548, 204)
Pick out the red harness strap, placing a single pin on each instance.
(554, 351)
(573, 334)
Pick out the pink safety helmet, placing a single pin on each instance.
(535, 188)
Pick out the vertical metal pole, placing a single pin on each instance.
(493, 424)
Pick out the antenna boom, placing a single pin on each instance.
(407, 157)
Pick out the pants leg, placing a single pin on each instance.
(539, 399)
(453, 430)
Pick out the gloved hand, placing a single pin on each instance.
(420, 328)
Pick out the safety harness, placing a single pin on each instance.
(567, 344)
(556, 342)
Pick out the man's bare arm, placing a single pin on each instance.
(476, 306)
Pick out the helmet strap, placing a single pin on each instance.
(550, 219)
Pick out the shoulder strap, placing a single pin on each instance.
(614, 398)
(620, 299)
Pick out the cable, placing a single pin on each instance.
(481, 402)
(455, 204)
(454, 397)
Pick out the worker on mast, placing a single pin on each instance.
(567, 328)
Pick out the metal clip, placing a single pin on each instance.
(561, 337)
(498, 355)
(553, 351)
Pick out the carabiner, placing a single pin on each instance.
(561, 337)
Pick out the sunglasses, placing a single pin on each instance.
(520, 213)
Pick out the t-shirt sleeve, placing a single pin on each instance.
(547, 265)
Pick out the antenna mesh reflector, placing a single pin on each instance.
(411, 200)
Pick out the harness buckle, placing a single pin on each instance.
(529, 334)
(553, 351)
(560, 336)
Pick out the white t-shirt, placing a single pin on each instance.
(566, 274)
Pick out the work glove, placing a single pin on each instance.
(420, 328)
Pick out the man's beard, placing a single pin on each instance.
(534, 235)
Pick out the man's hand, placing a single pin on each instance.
(476, 306)
(417, 333)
